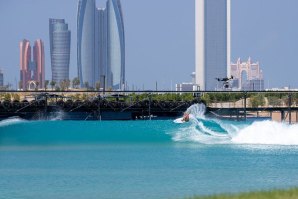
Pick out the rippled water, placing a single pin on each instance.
(144, 159)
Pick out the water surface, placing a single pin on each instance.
(144, 159)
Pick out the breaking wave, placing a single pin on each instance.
(213, 131)
(11, 121)
(200, 129)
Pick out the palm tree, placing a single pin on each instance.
(64, 84)
(97, 85)
(46, 84)
(37, 86)
(76, 82)
(53, 84)
(86, 84)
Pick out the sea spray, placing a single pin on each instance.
(11, 121)
(206, 130)
(268, 133)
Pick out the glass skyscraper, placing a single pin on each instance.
(212, 42)
(1, 79)
(60, 38)
(101, 44)
(86, 42)
(116, 45)
(101, 69)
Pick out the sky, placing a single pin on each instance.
(160, 38)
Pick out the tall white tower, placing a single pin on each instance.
(212, 42)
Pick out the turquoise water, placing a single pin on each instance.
(144, 159)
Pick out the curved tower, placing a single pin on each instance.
(25, 58)
(38, 57)
(60, 38)
(32, 70)
(86, 42)
(116, 45)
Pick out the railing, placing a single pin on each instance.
(252, 103)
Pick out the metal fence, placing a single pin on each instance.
(278, 105)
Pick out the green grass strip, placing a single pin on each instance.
(275, 194)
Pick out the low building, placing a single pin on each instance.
(187, 87)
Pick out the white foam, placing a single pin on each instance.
(11, 121)
(268, 133)
(197, 110)
(57, 116)
(257, 133)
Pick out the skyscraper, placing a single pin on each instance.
(32, 73)
(25, 59)
(101, 69)
(101, 44)
(60, 38)
(38, 58)
(1, 79)
(86, 41)
(212, 42)
(116, 45)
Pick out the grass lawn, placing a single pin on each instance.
(277, 194)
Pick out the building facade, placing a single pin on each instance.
(247, 76)
(101, 71)
(101, 44)
(38, 59)
(212, 42)
(116, 45)
(60, 40)
(1, 79)
(86, 42)
(32, 72)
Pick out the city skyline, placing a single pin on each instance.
(264, 37)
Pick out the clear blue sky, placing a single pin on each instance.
(160, 37)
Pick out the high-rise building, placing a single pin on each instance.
(25, 59)
(101, 69)
(38, 58)
(32, 72)
(1, 79)
(101, 44)
(247, 76)
(86, 41)
(212, 42)
(116, 45)
(60, 38)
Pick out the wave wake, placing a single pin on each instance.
(268, 133)
(11, 121)
(212, 131)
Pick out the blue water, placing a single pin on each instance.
(144, 159)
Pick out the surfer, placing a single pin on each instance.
(194, 110)
(185, 117)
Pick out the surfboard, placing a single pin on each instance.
(179, 121)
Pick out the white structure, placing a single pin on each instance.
(187, 87)
(212, 42)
